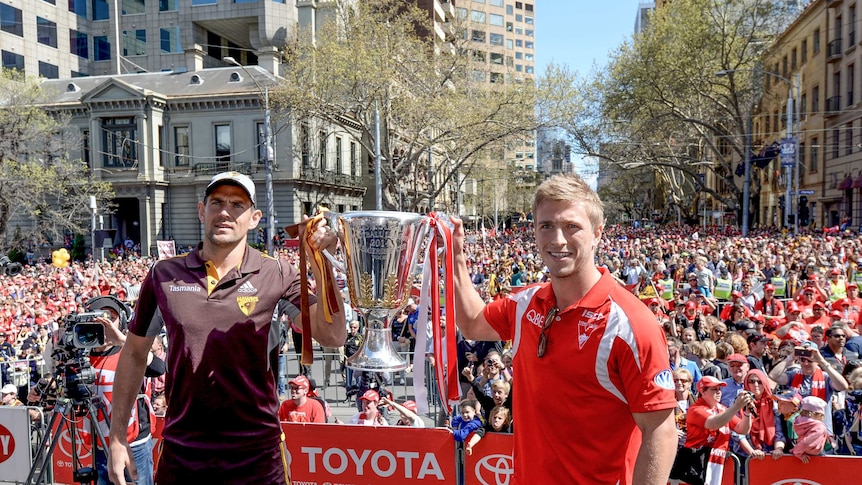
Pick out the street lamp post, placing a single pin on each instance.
(788, 201)
(267, 158)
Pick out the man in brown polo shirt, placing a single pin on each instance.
(217, 304)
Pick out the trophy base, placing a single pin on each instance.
(377, 353)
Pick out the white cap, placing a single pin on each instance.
(233, 178)
(9, 389)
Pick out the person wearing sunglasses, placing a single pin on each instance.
(586, 338)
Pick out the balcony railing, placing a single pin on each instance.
(833, 50)
(833, 105)
(315, 174)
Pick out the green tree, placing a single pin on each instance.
(662, 105)
(38, 181)
(374, 58)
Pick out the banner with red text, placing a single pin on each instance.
(820, 470)
(345, 454)
(491, 461)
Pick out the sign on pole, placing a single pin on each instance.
(788, 152)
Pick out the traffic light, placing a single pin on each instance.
(804, 211)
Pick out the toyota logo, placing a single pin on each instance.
(495, 470)
(796, 481)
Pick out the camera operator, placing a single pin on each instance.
(104, 360)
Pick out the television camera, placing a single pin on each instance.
(74, 381)
(9, 267)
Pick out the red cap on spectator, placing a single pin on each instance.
(836, 271)
(813, 277)
(841, 302)
(690, 304)
(300, 381)
(736, 294)
(835, 314)
(370, 395)
(737, 358)
(852, 284)
(652, 301)
(706, 382)
(792, 307)
(768, 287)
(411, 405)
(818, 304)
(809, 290)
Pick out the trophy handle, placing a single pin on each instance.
(335, 263)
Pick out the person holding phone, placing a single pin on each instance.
(814, 377)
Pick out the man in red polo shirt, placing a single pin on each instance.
(584, 336)
(299, 408)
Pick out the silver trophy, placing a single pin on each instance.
(380, 251)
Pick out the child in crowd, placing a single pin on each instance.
(499, 421)
(788, 409)
(810, 428)
(468, 421)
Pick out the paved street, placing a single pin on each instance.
(336, 395)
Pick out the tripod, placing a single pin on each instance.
(64, 413)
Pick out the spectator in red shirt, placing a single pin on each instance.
(300, 409)
(709, 423)
(818, 316)
(769, 308)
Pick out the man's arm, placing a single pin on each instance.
(127, 384)
(327, 334)
(658, 447)
(468, 304)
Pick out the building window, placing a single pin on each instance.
(304, 144)
(519, 43)
(529, 69)
(496, 39)
(478, 36)
(528, 44)
(497, 58)
(203, 2)
(477, 16)
(102, 48)
(46, 32)
(354, 159)
(528, 20)
(161, 134)
(836, 142)
(495, 19)
(812, 166)
(339, 164)
(321, 150)
(119, 142)
(519, 55)
(497, 78)
(793, 63)
(496, 3)
(169, 5)
(509, 26)
(530, 32)
(461, 13)
(802, 154)
(78, 44)
(478, 56)
(519, 68)
(478, 75)
(11, 20)
(802, 105)
(851, 80)
(519, 31)
(182, 146)
(528, 57)
(528, 7)
(510, 10)
(49, 71)
(848, 139)
(135, 42)
(519, 17)
(12, 60)
(816, 41)
(519, 5)
(510, 44)
(100, 10)
(85, 148)
(803, 51)
(169, 38)
(815, 99)
(132, 7)
(78, 74)
(223, 142)
(78, 7)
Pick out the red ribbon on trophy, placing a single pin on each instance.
(444, 336)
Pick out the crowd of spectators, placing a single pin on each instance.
(771, 314)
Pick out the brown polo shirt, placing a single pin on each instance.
(222, 348)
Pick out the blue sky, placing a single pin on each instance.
(581, 33)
